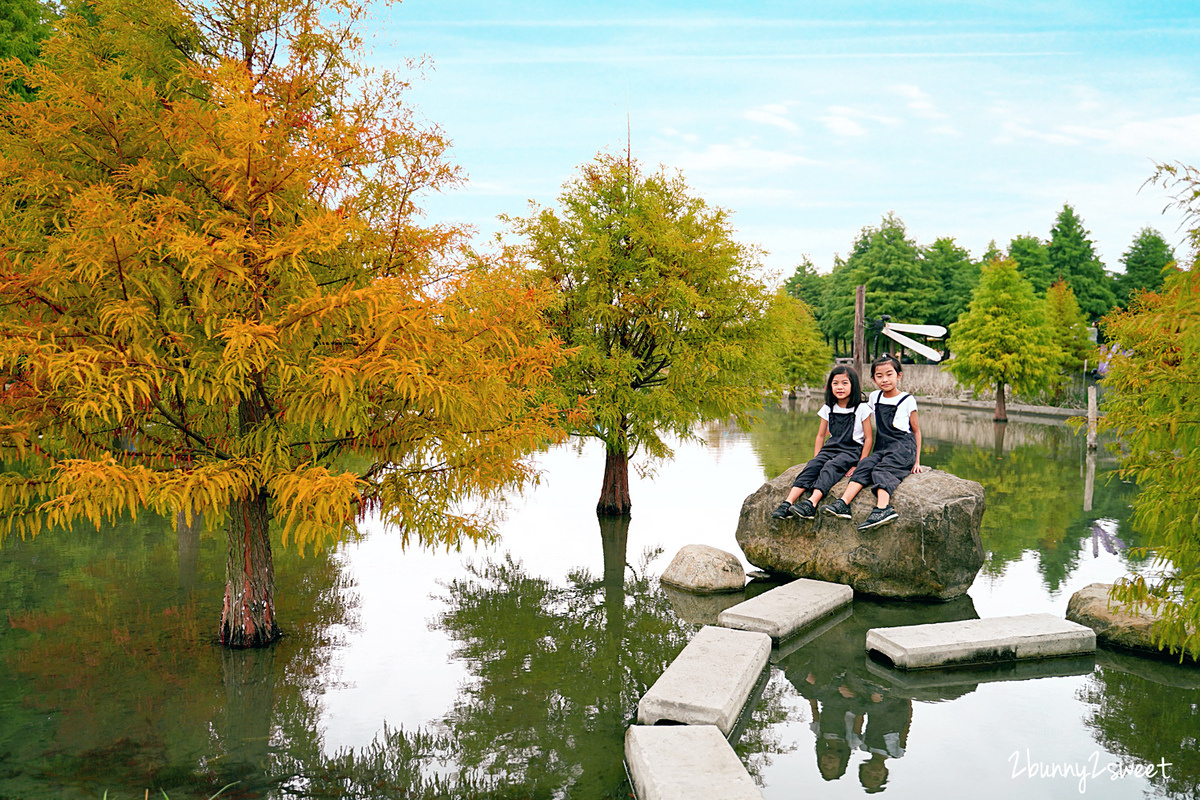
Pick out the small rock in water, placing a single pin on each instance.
(1128, 628)
(706, 570)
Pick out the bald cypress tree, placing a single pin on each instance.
(667, 323)
(1003, 339)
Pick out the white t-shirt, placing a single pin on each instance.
(860, 413)
(904, 410)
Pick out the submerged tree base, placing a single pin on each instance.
(614, 492)
(248, 613)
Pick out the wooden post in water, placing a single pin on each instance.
(860, 335)
(1092, 415)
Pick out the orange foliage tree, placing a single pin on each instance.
(217, 295)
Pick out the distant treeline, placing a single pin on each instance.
(933, 283)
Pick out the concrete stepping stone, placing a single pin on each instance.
(709, 681)
(976, 641)
(684, 762)
(786, 609)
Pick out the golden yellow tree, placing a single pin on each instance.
(216, 293)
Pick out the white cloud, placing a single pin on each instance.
(741, 155)
(919, 102)
(772, 115)
(843, 126)
(1011, 132)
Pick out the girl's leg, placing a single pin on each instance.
(795, 493)
(882, 498)
(816, 496)
(852, 491)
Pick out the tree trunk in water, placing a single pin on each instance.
(248, 614)
(1001, 411)
(614, 493)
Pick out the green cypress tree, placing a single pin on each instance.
(835, 312)
(1070, 333)
(805, 358)
(667, 323)
(806, 284)
(953, 274)
(24, 25)
(1146, 261)
(1073, 259)
(1033, 261)
(1003, 339)
(891, 270)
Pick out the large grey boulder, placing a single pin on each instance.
(932, 552)
(1122, 626)
(705, 570)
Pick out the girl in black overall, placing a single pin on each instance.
(899, 450)
(842, 440)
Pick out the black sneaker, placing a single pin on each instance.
(838, 508)
(804, 510)
(879, 516)
(783, 512)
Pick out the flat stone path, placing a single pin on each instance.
(975, 641)
(782, 611)
(684, 762)
(709, 681)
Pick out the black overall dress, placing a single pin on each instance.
(895, 451)
(838, 454)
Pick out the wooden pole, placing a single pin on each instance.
(1092, 415)
(860, 334)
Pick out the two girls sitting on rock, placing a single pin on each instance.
(844, 441)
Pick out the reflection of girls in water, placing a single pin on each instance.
(837, 723)
(886, 736)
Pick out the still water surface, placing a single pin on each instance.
(511, 670)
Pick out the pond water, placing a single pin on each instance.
(511, 670)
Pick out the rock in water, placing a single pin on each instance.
(1128, 628)
(932, 552)
(706, 570)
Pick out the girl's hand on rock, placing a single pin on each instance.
(918, 469)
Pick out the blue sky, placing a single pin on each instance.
(809, 121)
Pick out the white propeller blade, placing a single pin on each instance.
(915, 346)
(936, 331)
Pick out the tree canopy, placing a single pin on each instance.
(804, 356)
(953, 275)
(1146, 262)
(1152, 405)
(667, 322)
(1069, 331)
(1073, 259)
(216, 296)
(1033, 261)
(1003, 339)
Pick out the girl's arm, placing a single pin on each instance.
(822, 433)
(916, 428)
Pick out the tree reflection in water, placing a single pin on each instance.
(558, 671)
(1144, 710)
